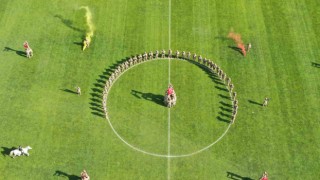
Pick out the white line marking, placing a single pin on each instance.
(169, 23)
(169, 144)
(169, 74)
(155, 154)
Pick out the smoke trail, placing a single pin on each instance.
(90, 25)
(237, 39)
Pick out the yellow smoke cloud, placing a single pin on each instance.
(90, 25)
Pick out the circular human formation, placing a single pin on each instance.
(145, 57)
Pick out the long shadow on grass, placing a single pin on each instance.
(225, 115)
(20, 53)
(314, 64)
(156, 98)
(236, 49)
(213, 76)
(79, 43)
(69, 91)
(69, 176)
(236, 176)
(223, 119)
(6, 151)
(69, 23)
(225, 112)
(254, 102)
(225, 104)
(225, 97)
(225, 109)
(96, 92)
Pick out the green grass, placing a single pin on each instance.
(68, 133)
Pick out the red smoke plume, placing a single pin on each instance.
(237, 39)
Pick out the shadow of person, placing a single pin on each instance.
(79, 44)
(225, 115)
(226, 104)
(237, 177)
(236, 49)
(221, 88)
(223, 120)
(6, 151)
(314, 64)
(223, 96)
(156, 98)
(253, 102)
(63, 174)
(20, 53)
(225, 109)
(69, 91)
(98, 114)
(68, 23)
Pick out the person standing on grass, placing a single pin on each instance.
(265, 102)
(130, 61)
(86, 44)
(264, 176)
(163, 53)
(150, 55)
(78, 91)
(231, 86)
(248, 47)
(189, 55)
(26, 45)
(214, 66)
(228, 81)
(217, 69)
(170, 53)
(84, 175)
(234, 95)
(145, 56)
(194, 56)
(177, 54)
(233, 117)
(139, 58)
(235, 108)
(235, 102)
(183, 54)
(199, 59)
(135, 59)
(223, 77)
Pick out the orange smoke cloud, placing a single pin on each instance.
(237, 39)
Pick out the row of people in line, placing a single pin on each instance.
(227, 80)
(148, 56)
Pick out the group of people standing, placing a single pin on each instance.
(136, 59)
(223, 76)
(170, 97)
(84, 175)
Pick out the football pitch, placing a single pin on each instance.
(142, 138)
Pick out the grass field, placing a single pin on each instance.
(68, 133)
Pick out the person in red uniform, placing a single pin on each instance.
(26, 45)
(170, 90)
(264, 176)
